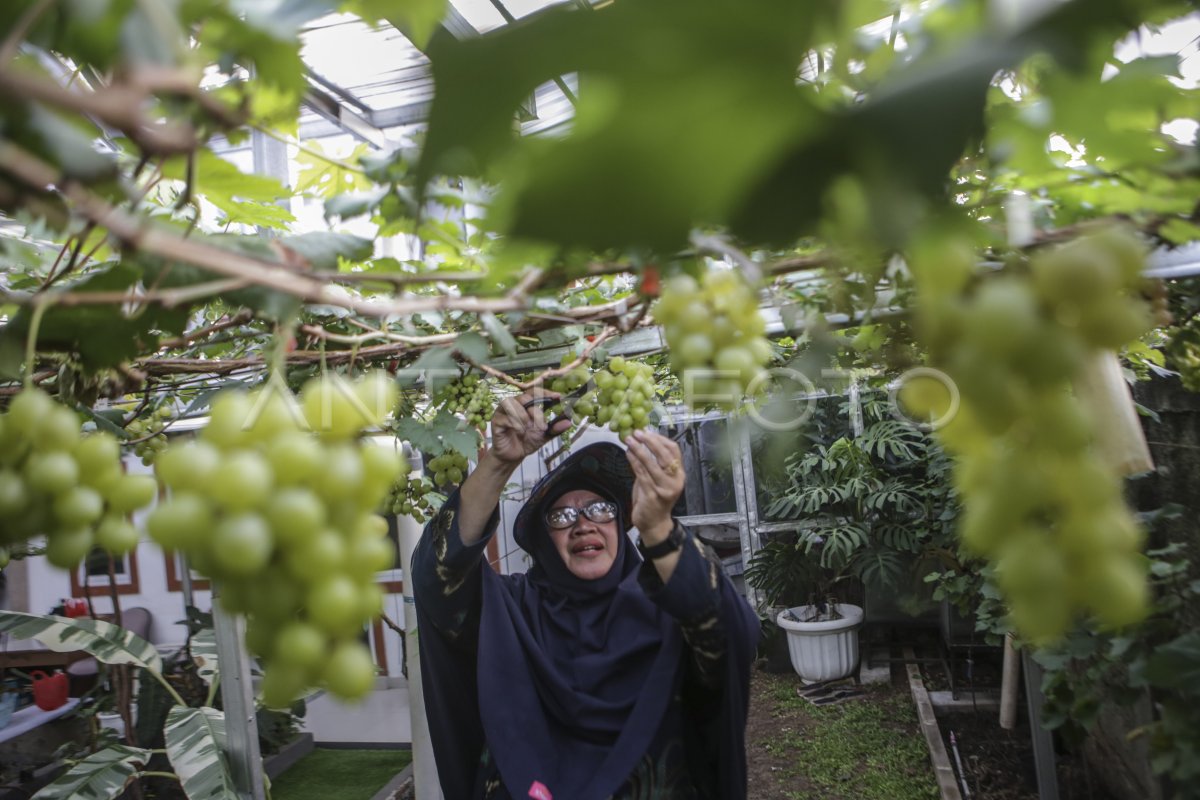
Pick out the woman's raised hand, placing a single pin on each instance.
(658, 481)
(519, 426)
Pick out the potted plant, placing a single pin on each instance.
(873, 506)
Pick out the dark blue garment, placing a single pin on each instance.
(585, 682)
(547, 680)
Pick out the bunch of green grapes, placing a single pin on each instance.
(410, 497)
(572, 379)
(1040, 501)
(448, 469)
(276, 501)
(470, 396)
(57, 482)
(148, 431)
(569, 382)
(623, 397)
(715, 336)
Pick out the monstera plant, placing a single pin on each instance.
(194, 736)
(868, 506)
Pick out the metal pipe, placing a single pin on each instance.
(237, 698)
(426, 785)
(1008, 685)
(962, 776)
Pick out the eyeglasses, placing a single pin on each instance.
(597, 511)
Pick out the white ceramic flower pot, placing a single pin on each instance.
(823, 649)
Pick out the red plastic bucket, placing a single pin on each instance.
(49, 691)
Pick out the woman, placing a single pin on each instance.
(595, 674)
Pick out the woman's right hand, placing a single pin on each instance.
(518, 431)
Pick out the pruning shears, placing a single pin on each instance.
(547, 400)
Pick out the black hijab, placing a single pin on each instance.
(573, 679)
(575, 676)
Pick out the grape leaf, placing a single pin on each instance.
(323, 176)
(1176, 665)
(323, 249)
(473, 346)
(348, 206)
(498, 332)
(103, 335)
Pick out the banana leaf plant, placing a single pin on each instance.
(195, 737)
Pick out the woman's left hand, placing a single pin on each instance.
(658, 471)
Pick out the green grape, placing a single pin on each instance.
(470, 396)
(342, 473)
(715, 336)
(55, 481)
(282, 683)
(27, 408)
(181, 522)
(78, 506)
(350, 671)
(147, 430)
(273, 597)
(1040, 500)
(283, 516)
(369, 556)
(57, 430)
(1004, 316)
(188, 466)
(51, 473)
(370, 600)
(66, 547)
(14, 494)
(243, 481)
(409, 497)
(131, 492)
(300, 644)
(295, 514)
(295, 457)
(116, 535)
(97, 452)
(1116, 589)
(229, 419)
(312, 559)
(333, 604)
(446, 467)
(242, 544)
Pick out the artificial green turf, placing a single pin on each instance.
(342, 774)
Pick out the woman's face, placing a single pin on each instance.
(587, 548)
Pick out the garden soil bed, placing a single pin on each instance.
(872, 747)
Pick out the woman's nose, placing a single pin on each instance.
(582, 525)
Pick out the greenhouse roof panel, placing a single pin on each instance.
(378, 66)
(486, 16)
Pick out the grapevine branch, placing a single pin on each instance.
(550, 374)
(156, 241)
(119, 107)
(357, 339)
(240, 318)
(167, 297)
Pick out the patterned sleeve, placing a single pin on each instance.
(693, 598)
(445, 572)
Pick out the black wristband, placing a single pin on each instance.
(673, 542)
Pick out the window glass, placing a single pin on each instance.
(708, 466)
